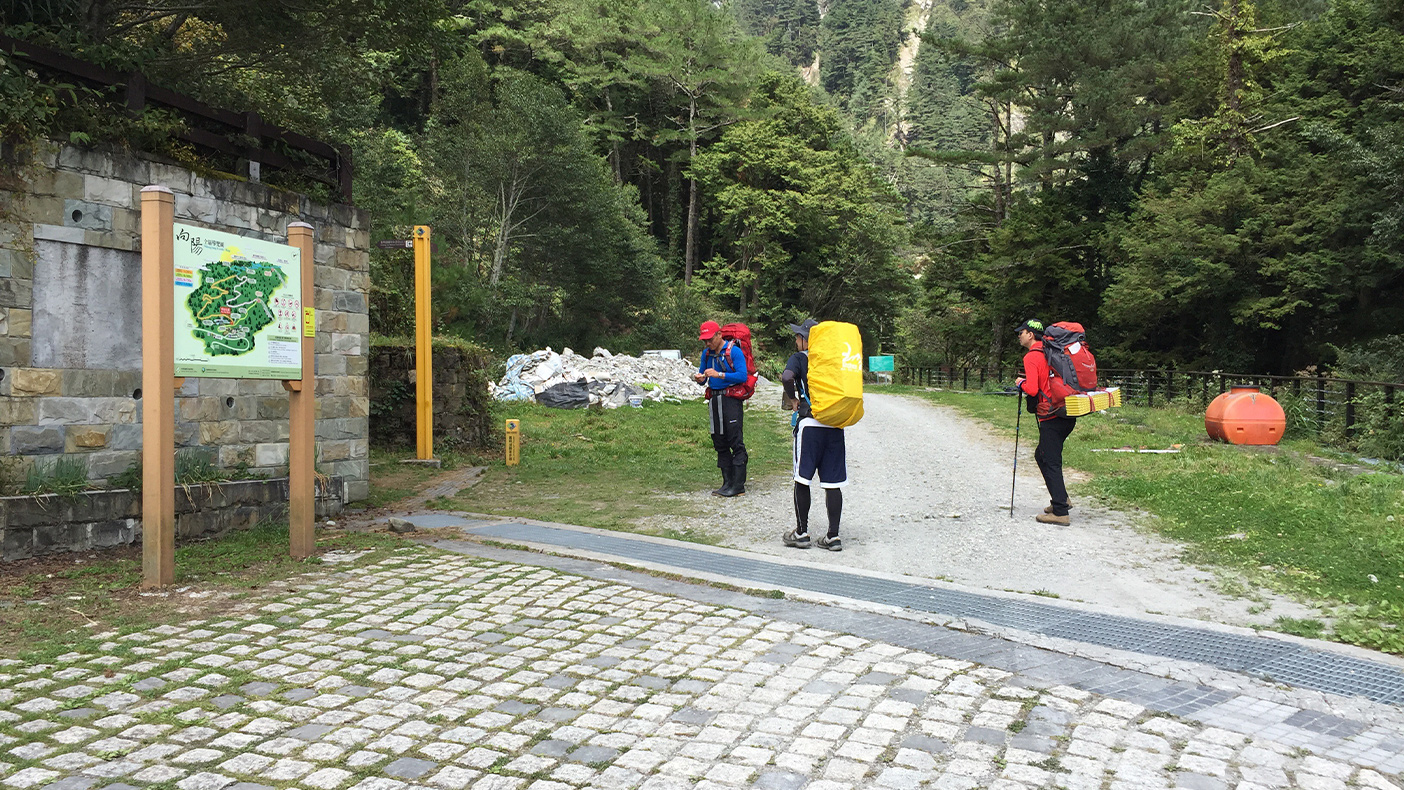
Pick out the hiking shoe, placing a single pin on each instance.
(1049, 509)
(832, 544)
(799, 540)
(1049, 518)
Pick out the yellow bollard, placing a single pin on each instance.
(514, 442)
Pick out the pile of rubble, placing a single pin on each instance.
(612, 380)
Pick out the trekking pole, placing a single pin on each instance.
(1018, 416)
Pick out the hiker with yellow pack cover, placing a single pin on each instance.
(823, 383)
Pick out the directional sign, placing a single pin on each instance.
(407, 244)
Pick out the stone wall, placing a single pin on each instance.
(462, 408)
(70, 317)
(33, 526)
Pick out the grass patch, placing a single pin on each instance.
(392, 481)
(610, 468)
(1321, 530)
(54, 604)
(65, 477)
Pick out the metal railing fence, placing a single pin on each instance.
(1320, 404)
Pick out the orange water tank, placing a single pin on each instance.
(1243, 415)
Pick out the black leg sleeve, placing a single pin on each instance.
(801, 508)
(1049, 456)
(716, 421)
(733, 416)
(833, 500)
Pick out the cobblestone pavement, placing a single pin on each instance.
(445, 671)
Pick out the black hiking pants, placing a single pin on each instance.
(725, 416)
(1052, 433)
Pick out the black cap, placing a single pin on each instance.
(1033, 325)
(803, 327)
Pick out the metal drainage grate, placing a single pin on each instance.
(1121, 633)
(1229, 651)
(1010, 614)
(1337, 674)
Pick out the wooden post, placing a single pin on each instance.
(302, 416)
(157, 380)
(423, 346)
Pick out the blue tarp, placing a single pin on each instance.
(512, 387)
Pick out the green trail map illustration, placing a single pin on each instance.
(238, 307)
(232, 304)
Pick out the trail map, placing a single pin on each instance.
(238, 311)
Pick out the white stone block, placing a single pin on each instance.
(109, 190)
(271, 454)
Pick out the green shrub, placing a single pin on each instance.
(65, 477)
(194, 466)
(1301, 416)
(1379, 427)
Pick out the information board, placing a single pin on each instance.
(238, 306)
(883, 364)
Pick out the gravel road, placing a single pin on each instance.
(929, 497)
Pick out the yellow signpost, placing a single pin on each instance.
(514, 442)
(423, 346)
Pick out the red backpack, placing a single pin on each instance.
(738, 334)
(1072, 368)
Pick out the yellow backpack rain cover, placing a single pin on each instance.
(836, 374)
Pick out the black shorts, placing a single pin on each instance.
(819, 448)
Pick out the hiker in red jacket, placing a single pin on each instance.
(723, 365)
(1052, 430)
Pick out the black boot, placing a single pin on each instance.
(736, 484)
(726, 481)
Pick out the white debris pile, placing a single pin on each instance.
(611, 379)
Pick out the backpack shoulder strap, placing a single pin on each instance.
(725, 355)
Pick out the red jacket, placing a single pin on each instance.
(1036, 377)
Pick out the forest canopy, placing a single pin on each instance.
(1203, 185)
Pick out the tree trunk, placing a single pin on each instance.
(690, 254)
(499, 253)
(507, 197)
(996, 340)
(614, 157)
(1008, 159)
(1233, 82)
(998, 180)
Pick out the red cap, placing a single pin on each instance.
(709, 328)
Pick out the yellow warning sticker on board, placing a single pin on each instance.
(309, 322)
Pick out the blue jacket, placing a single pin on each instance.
(731, 361)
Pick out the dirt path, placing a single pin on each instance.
(929, 497)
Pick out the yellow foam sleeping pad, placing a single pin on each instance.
(1096, 400)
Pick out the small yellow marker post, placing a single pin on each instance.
(423, 346)
(514, 442)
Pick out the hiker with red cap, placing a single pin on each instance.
(724, 372)
(1054, 425)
